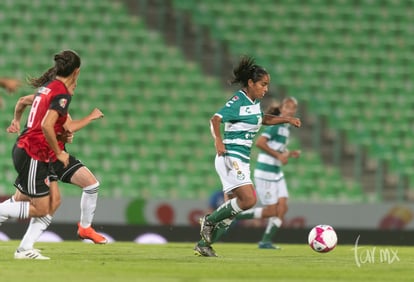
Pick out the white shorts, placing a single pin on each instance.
(233, 172)
(269, 192)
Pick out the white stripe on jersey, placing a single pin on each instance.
(241, 126)
(268, 159)
(277, 146)
(270, 176)
(238, 141)
(239, 154)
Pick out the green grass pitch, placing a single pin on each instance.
(127, 261)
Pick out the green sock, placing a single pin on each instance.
(272, 226)
(249, 214)
(226, 210)
(220, 229)
(202, 243)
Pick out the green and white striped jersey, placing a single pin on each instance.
(242, 119)
(268, 167)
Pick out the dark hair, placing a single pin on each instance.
(273, 111)
(247, 69)
(65, 63)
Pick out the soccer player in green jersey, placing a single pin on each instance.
(242, 117)
(268, 175)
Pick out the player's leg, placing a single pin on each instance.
(235, 178)
(78, 174)
(33, 199)
(37, 226)
(275, 213)
(84, 178)
(273, 224)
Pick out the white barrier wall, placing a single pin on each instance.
(185, 212)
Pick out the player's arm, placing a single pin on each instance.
(215, 123)
(48, 129)
(9, 84)
(272, 120)
(75, 125)
(261, 143)
(19, 109)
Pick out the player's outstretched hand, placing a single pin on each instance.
(14, 127)
(96, 114)
(295, 122)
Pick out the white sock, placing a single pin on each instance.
(18, 210)
(9, 200)
(235, 206)
(276, 221)
(88, 204)
(257, 213)
(36, 227)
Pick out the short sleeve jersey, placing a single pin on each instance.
(242, 119)
(268, 167)
(52, 96)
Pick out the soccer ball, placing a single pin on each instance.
(322, 238)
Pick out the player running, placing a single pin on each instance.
(242, 117)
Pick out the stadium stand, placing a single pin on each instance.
(350, 61)
(347, 61)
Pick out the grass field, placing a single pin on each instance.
(76, 261)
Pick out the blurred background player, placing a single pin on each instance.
(268, 175)
(242, 117)
(10, 84)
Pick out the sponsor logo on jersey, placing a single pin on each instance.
(250, 110)
(44, 90)
(63, 102)
(235, 98)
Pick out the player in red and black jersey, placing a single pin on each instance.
(37, 148)
(75, 173)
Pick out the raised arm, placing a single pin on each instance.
(261, 143)
(271, 120)
(75, 125)
(19, 108)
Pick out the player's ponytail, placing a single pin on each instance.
(65, 63)
(247, 69)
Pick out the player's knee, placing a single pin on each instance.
(39, 211)
(248, 203)
(283, 206)
(55, 204)
(273, 210)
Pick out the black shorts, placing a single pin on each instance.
(65, 173)
(33, 176)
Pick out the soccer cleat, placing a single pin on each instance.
(30, 254)
(268, 245)
(206, 230)
(206, 251)
(91, 234)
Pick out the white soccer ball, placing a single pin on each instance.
(322, 238)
